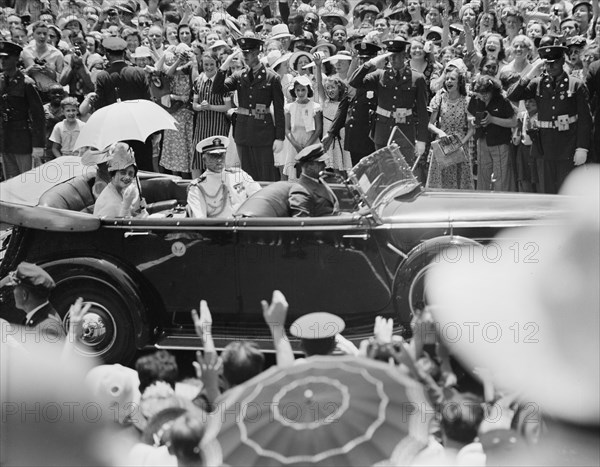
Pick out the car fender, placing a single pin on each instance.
(70, 270)
(417, 261)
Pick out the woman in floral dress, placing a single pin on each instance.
(449, 117)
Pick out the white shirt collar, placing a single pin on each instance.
(33, 312)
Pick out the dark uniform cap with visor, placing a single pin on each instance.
(249, 43)
(29, 275)
(367, 49)
(8, 48)
(320, 325)
(396, 45)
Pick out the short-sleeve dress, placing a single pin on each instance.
(452, 120)
(301, 116)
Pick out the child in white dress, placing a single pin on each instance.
(303, 123)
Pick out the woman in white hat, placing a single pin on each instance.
(121, 197)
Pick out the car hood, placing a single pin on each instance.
(458, 207)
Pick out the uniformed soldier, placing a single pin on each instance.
(218, 192)
(354, 113)
(258, 134)
(31, 290)
(124, 82)
(309, 196)
(564, 115)
(22, 118)
(318, 332)
(401, 99)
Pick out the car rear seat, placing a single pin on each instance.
(76, 194)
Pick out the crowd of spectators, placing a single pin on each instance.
(467, 52)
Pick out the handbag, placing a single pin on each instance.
(448, 151)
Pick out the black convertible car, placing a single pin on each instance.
(143, 276)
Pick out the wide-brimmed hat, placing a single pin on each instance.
(296, 55)
(62, 23)
(283, 58)
(322, 43)
(218, 43)
(334, 14)
(141, 52)
(280, 31)
(342, 55)
(121, 157)
(533, 304)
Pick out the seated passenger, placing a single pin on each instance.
(218, 192)
(309, 196)
(121, 197)
(100, 159)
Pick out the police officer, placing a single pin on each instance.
(318, 332)
(354, 114)
(564, 116)
(218, 192)
(124, 82)
(401, 99)
(309, 196)
(22, 118)
(257, 133)
(31, 290)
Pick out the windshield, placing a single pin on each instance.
(383, 175)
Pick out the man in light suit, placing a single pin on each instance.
(310, 196)
(32, 287)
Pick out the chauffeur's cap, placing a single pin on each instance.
(314, 152)
(31, 276)
(8, 48)
(320, 325)
(249, 43)
(213, 145)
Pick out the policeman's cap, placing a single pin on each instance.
(552, 53)
(249, 43)
(8, 49)
(314, 152)
(114, 44)
(31, 276)
(367, 49)
(319, 325)
(396, 45)
(213, 145)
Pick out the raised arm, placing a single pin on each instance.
(275, 314)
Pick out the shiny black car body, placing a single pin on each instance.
(145, 275)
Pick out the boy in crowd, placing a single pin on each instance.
(65, 133)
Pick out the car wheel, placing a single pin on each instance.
(107, 329)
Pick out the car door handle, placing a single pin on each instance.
(364, 236)
(135, 234)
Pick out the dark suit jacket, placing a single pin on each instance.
(311, 198)
(263, 90)
(48, 322)
(120, 81)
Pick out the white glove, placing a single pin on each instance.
(580, 156)
(277, 145)
(37, 153)
(420, 147)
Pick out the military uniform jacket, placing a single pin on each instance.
(219, 194)
(22, 117)
(310, 197)
(354, 114)
(121, 81)
(555, 101)
(260, 128)
(407, 90)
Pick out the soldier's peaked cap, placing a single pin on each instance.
(8, 48)
(249, 43)
(213, 144)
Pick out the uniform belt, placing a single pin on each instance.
(554, 123)
(256, 113)
(399, 115)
